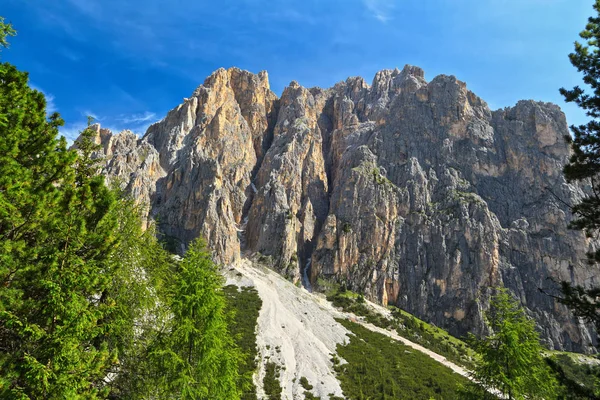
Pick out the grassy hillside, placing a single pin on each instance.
(408, 326)
(578, 374)
(380, 368)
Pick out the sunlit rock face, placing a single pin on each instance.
(414, 193)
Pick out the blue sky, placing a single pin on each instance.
(127, 62)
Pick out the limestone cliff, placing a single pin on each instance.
(414, 193)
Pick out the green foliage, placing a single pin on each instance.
(91, 305)
(244, 306)
(578, 380)
(196, 357)
(347, 228)
(380, 179)
(141, 267)
(271, 383)
(172, 339)
(307, 388)
(466, 197)
(381, 368)
(56, 241)
(584, 163)
(305, 384)
(511, 357)
(6, 30)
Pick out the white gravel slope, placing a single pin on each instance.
(297, 330)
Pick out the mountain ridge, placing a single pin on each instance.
(414, 193)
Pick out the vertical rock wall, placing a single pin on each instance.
(411, 192)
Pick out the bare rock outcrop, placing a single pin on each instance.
(414, 193)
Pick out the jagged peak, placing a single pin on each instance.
(443, 79)
(529, 106)
(356, 83)
(231, 75)
(413, 70)
(294, 84)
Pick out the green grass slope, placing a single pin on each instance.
(381, 368)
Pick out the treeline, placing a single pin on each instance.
(91, 305)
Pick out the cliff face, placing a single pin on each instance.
(413, 193)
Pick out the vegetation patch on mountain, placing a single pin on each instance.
(243, 305)
(406, 325)
(379, 368)
(577, 374)
(271, 383)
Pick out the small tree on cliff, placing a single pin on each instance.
(511, 357)
(584, 164)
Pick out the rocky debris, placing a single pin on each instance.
(414, 193)
(296, 330)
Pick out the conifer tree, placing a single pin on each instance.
(511, 356)
(584, 164)
(34, 169)
(57, 238)
(91, 306)
(5, 31)
(139, 268)
(56, 241)
(196, 357)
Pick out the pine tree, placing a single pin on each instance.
(584, 164)
(57, 237)
(34, 166)
(511, 357)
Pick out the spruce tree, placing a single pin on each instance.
(34, 167)
(584, 164)
(57, 240)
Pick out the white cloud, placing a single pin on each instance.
(50, 104)
(137, 118)
(70, 54)
(380, 9)
(88, 113)
(72, 131)
(137, 123)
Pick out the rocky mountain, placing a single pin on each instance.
(414, 193)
